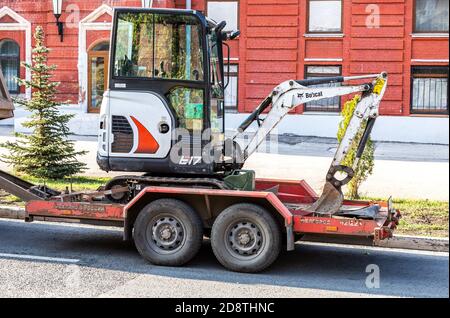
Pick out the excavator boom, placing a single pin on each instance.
(291, 94)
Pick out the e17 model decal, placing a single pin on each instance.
(146, 142)
(188, 160)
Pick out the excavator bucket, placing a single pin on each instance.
(329, 202)
(6, 104)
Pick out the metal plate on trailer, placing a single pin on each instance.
(79, 210)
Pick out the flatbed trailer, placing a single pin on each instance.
(285, 202)
(168, 210)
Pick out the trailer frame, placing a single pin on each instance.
(285, 205)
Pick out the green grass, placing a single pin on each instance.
(79, 183)
(419, 217)
(422, 217)
(9, 199)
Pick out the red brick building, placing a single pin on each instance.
(280, 39)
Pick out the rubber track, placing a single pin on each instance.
(218, 184)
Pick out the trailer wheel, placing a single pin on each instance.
(246, 238)
(168, 232)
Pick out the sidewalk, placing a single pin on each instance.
(403, 170)
(401, 179)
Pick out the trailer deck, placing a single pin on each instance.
(290, 200)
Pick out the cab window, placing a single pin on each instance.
(178, 48)
(215, 65)
(159, 46)
(134, 45)
(188, 105)
(216, 82)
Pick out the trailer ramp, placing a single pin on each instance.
(23, 189)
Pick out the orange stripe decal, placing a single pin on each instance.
(146, 142)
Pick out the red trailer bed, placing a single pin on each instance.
(245, 227)
(288, 198)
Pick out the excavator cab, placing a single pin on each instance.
(165, 103)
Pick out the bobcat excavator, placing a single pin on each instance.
(163, 117)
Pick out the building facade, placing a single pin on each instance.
(280, 40)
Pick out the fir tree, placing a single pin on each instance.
(47, 152)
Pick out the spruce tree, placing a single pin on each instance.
(46, 152)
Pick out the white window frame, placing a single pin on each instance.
(328, 108)
(227, 27)
(308, 20)
(428, 109)
(233, 74)
(16, 59)
(89, 24)
(21, 24)
(425, 32)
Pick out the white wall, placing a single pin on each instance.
(412, 129)
(387, 128)
(82, 124)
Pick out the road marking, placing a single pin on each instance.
(40, 258)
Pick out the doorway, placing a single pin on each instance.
(98, 65)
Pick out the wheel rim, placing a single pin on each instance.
(166, 234)
(244, 239)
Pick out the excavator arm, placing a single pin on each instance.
(291, 94)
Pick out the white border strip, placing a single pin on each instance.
(429, 35)
(88, 23)
(323, 35)
(322, 60)
(40, 258)
(429, 61)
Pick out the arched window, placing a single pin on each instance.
(10, 64)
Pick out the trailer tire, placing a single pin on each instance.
(168, 232)
(246, 238)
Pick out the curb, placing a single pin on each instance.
(435, 244)
(421, 243)
(12, 212)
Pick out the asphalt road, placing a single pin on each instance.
(68, 260)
